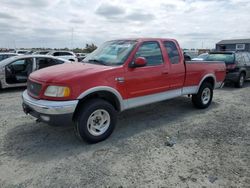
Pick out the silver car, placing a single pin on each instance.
(14, 71)
(5, 55)
(68, 55)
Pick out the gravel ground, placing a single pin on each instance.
(211, 147)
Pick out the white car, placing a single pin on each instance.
(14, 71)
(6, 55)
(201, 57)
(22, 52)
(68, 55)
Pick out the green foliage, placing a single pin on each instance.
(89, 48)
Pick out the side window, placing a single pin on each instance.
(59, 61)
(246, 58)
(64, 54)
(172, 51)
(239, 58)
(151, 52)
(248, 54)
(56, 54)
(22, 65)
(45, 62)
(67, 53)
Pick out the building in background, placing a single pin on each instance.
(232, 45)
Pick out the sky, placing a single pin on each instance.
(73, 23)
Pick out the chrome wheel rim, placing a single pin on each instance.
(241, 80)
(205, 96)
(98, 122)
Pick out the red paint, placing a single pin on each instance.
(139, 81)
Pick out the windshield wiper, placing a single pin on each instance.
(97, 61)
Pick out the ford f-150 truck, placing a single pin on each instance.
(119, 75)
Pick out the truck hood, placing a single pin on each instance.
(67, 71)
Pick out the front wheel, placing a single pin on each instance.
(95, 121)
(204, 96)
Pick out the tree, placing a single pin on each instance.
(89, 48)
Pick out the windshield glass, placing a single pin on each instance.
(227, 58)
(111, 53)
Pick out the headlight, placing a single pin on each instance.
(57, 91)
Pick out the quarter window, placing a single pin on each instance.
(239, 58)
(246, 57)
(173, 53)
(151, 52)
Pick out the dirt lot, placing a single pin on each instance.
(212, 146)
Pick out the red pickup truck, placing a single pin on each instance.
(119, 75)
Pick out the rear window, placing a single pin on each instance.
(227, 58)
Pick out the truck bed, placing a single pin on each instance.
(195, 70)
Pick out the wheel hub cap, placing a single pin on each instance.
(98, 122)
(205, 96)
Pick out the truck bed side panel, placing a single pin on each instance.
(197, 70)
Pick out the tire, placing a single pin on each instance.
(240, 82)
(204, 96)
(95, 120)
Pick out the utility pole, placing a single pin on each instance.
(72, 38)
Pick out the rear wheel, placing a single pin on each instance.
(241, 80)
(95, 121)
(204, 96)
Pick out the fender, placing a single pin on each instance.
(104, 88)
(207, 76)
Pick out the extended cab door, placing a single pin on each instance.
(176, 68)
(150, 79)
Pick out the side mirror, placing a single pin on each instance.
(138, 62)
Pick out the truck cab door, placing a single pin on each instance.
(150, 79)
(177, 67)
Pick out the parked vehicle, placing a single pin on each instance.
(6, 55)
(237, 65)
(200, 57)
(64, 54)
(14, 71)
(119, 75)
(21, 52)
(81, 56)
(41, 52)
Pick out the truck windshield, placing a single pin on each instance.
(228, 58)
(111, 53)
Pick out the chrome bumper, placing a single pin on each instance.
(49, 107)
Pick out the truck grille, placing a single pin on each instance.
(34, 88)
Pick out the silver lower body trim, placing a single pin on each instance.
(49, 107)
(148, 99)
